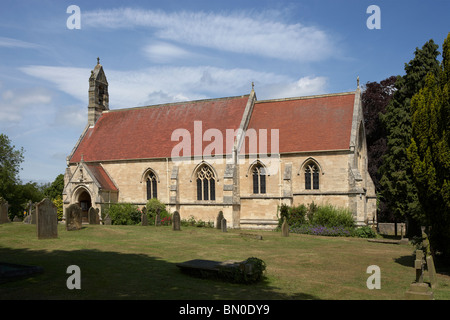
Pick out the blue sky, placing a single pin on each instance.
(165, 51)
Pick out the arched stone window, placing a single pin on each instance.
(259, 178)
(311, 176)
(152, 186)
(206, 183)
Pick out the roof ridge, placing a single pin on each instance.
(307, 97)
(176, 103)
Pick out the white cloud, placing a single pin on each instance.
(302, 87)
(165, 84)
(15, 104)
(163, 52)
(14, 43)
(244, 33)
(73, 81)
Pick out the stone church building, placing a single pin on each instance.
(239, 155)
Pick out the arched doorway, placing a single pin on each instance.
(84, 199)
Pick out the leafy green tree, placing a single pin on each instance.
(10, 160)
(398, 188)
(55, 189)
(429, 151)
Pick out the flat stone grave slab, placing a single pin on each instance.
(10, 271)
(402, 241)
(215, 269)
(251, 236)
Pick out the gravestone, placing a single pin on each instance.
(93, 216)
(219, 220)
(431, 271)
(176, 221)
(224, 225)
(4, 211)
(419, 290)
(144, 219)
(285, 228)
(246, 271)
(107, 220)
(27, 219)
(429, 260)
(157, 218)
(73, 217)
(46, 220)
(33, 216)
(17, 219)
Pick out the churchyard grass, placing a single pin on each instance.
(139, 262)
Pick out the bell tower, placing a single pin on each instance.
(98, 94)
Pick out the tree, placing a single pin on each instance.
(398, 188)
(429, 151)
(56, 188)
(375, 99)
(10, 160)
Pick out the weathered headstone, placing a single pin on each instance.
(419, 266)
(107, 220)
(46, 220)
(176, 221)
(73, 217)
(93, 216)
(429, 260)
(33, 216)
(285, 228)
(144, 219)
(224, 225)
(4, 211)
(157, 218)
(431, 271)
(17, 219)
(419, 290)
(27, 219)
(219, 220)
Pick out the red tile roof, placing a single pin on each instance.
(306, 124)
(314, 123)
(142, 133)
(102, 177)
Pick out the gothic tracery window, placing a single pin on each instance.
(259, 179)
(311, 176)
(206, 184)
(152, 188)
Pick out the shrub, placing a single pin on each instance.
(331, 216)
(364, 232)
(295, 215)
(153, 205)
(124, 214)
(191, 222)
(312, 208)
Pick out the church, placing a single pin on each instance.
(239, 155)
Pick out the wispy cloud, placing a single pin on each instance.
(238, 32)
(164, 84)
(15, 43)
(162, 52)
(15, 104)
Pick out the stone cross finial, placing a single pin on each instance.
(253, 85)
(98, 60)
(357, 81)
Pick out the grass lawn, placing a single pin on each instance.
(135, 262)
